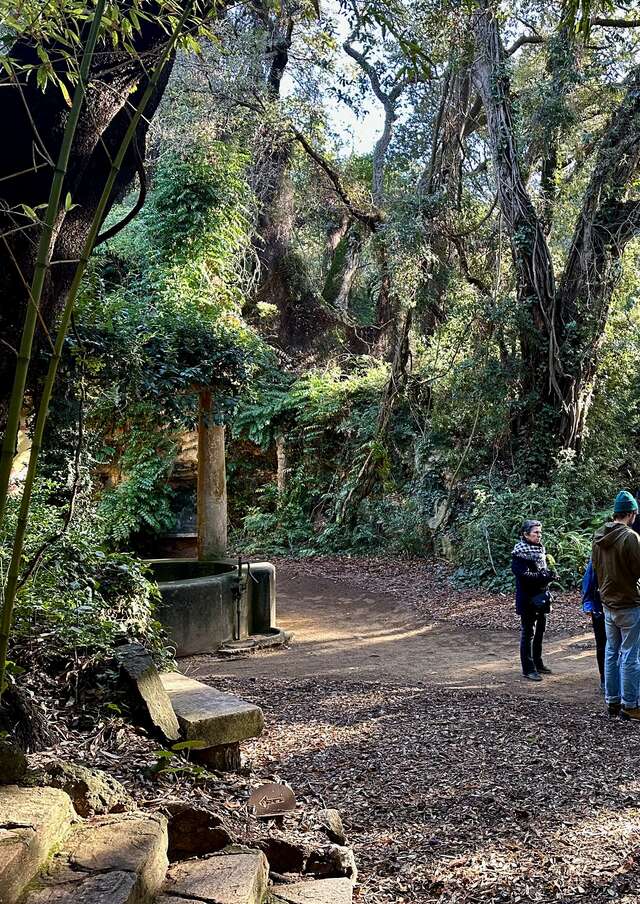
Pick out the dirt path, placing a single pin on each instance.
(459, 782)
(343, 632)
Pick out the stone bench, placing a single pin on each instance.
(320, 891)
(235, 876)
(217, 719)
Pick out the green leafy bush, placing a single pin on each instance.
(158, 321)
(81, 600)
(570, 507)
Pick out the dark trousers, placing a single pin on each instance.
(600, 634)
(533, 624)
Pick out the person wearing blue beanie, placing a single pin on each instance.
(616, 560)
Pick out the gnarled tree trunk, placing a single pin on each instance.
(117, 82)
(562, 326)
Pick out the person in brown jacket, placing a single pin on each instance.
(616, 560)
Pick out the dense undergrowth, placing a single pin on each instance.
(79, 598)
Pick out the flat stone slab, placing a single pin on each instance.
(225, 878)
(126, 843)
(275, 638)
(132, 850)
(209, 715)
(33, 821)
(144, 681)
(320, 891)
(102, 888)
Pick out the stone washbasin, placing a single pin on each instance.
(208, 604)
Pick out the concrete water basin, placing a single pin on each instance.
(206, 604)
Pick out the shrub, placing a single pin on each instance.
(570, 508)
(81, 600)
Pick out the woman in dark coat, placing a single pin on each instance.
(529, 565)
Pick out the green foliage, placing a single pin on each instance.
(141, 501)
(170, 761)
(159, 320)
(81, 600)
(162, 313)
(328, 418)
(570, 507)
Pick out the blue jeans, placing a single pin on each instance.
(621, 665)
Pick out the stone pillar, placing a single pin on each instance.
(212, 483)
(281, 454)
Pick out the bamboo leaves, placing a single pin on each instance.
(44, 254)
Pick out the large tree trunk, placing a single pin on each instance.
(536, 288)
(281, 458)
(117, 82)
(282, 279)
(607, 222)
(368, 475)
(562, 327)
(440, 191)
(343, 267)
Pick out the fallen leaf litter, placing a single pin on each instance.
(447, 795)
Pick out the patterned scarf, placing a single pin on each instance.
(530, 551)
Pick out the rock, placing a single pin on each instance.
(206, 714)
(331, 823)
(235, 876)
(33, 821)
(334, 861)
(143, 681)
(135, 844)
(92, 791)
(107, 860)
(13, 762)
(194, 831)
(103, 888)
(320, 891)
(283, 856)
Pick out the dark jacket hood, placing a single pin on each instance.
(613, 532)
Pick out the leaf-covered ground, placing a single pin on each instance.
(462, 797)
(452, 794)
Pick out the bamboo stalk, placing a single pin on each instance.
(43, 408)
(43, 259)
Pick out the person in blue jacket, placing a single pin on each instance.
(592, 605)
(533, 601)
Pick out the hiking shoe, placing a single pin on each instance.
(543, 670)
(614, 709)
(633, 713)
(532, 676)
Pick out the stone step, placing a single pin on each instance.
(319, 891)
(208, 715)
(275, 638)
(33, 821)
(107, 860)
(234, 876)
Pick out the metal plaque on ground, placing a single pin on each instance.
(271, 800)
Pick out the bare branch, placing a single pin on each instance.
(137, 207)
(371, 219)
(615, 23)
(521, 41)
(366, 66)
